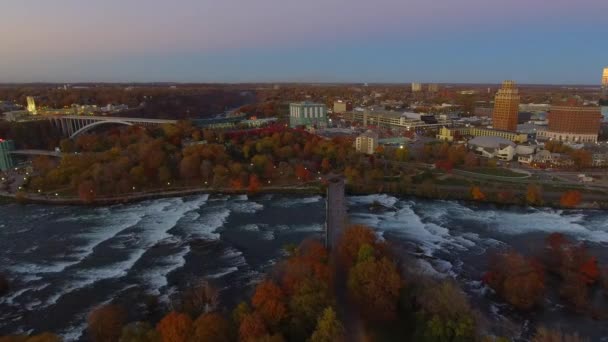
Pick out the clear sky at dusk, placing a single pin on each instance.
(530, 41)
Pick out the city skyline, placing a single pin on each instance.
(331, 41)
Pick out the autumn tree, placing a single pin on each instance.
(329, 328)
(447, 314)
(199, 298)
(477, 194)
(374, 285)
(104, 324)
(139, 332)
(570, 199)
(212, 327)
(254, 184)
(175, 327)
(534, 195)
(44, 337)
(269, 301)
(351, 241)
(87, 191)
(252, 328)
(520, 281)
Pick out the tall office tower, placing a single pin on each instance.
(433, 88)
(416, 87)
(31, 105)
(506, 107)
(605, 84)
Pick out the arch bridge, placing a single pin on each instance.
(73, 125)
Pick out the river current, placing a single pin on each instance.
(63, 261)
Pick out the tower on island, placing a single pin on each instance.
(336, 211)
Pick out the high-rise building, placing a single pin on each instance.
(367, 142)
(6, 161)
(570, 121)
(433, 88)
(605, 84)
(506, 107)
(31, 105)
(416, 87)
(307, 114)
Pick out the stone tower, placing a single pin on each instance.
(336, 211)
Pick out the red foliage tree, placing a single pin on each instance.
(175, 327)
(269, 301)
(570, 199)
(254, 184)
(252, 328)
(105, 323)
(520, 281)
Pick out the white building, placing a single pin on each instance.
(367, 142)
(493, 147)
(308, 114)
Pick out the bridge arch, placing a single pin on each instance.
(98, 123)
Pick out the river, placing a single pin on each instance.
(63, 261)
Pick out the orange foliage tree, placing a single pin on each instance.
(534, 195)
(105, 323)
(254, 184)
(570, 199)
(520, 281)
(477, 195)
(351, 241)
(252, 328)
(212, 327)
(269, 301)
(175, 327)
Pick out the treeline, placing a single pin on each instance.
(563, 268)
(40, 134)
(360, 291)
(184, 101)
(134, 159)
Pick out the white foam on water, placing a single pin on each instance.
(251, 227)
(207, 224)
(222, 273)
(155, 225)
(246, 207)
(155, 277)
(294, 202)
(385, 200)
(233, 257)
(542, 220)
(241, 198)
(315, 227)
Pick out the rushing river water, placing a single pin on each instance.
(63, 261)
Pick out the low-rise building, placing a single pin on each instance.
(307, 114)
(451, 134)
(388, 119)
(367, 142)
(342, 106)
(493, 147)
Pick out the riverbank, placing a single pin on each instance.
(439, 192)
(142, 196)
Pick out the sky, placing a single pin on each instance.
(443, 41)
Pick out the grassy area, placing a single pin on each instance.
(498, 171)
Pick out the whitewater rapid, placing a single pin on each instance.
(64, 261)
